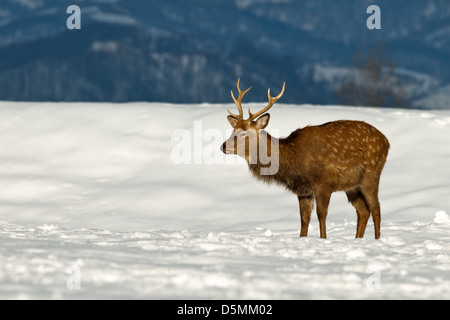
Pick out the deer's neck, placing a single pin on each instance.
(265, 162)
(283, 169)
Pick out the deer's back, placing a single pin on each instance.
(337, 154)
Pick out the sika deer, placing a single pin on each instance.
(314, 162)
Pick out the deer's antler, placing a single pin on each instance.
(238, 102)
(272, 100)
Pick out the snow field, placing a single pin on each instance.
(93, 206)
(254, 264)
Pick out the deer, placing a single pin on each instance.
(314, 161)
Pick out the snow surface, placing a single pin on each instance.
(93, 205)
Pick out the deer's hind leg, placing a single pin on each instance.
(357, 199)
(371, 196)
(369, 188)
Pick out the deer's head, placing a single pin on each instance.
(245, 138)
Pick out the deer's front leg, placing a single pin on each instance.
(306, 207)
(322, 199)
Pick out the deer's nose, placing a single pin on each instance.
(223, 148)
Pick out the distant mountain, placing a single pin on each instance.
(193, 51)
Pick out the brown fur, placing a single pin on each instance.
(316, 161)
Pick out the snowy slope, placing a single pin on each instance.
(94, 205)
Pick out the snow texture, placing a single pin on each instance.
(93, 205)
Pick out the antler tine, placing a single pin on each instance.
(272, 100)
(238, 101)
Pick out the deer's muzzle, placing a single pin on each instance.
(224, 149)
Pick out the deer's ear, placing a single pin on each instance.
(263, 121)
(232, 120)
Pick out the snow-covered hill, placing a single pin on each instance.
(95, 204)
